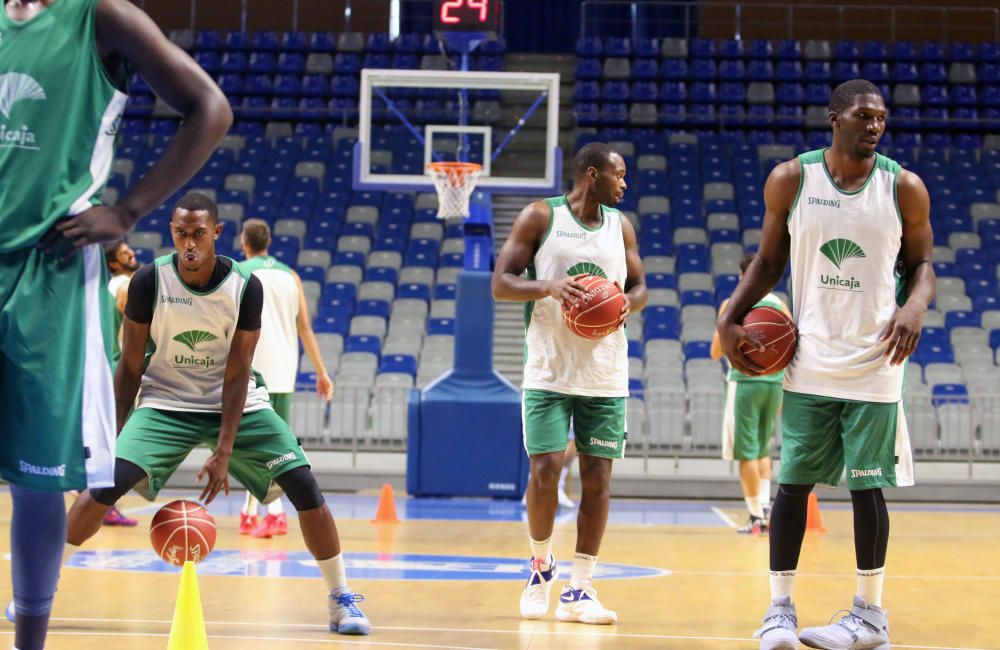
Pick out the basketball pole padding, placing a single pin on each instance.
(187, 631)
(385, 513)
(813, 519)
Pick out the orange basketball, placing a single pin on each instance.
(777, 332)
(182, 531)
(596, 314)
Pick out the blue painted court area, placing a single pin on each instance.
(363, 566)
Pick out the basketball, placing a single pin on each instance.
(777, 332)
(182, 531)
(596, 314)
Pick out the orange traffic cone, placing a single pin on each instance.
(386, 511)
(813, 519)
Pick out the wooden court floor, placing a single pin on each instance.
(943, 585)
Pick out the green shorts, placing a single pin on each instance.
(57, 423)
(282, 405)
(748, 423)
(598, 423)
(821, 436)
(158, 441)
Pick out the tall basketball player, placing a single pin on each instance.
(556, 242)
(858, 231)
(63, 71)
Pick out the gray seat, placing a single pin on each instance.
(906, 95)
(943, 254)
(344, 132)
(442, 309)
(664, 297)
(654, 205)
(433, 62)
(416, 275)
(278, 130)
(233, 142)
(182, 38)
(313, 257)
(344, 273)
(141, 239)
(768, 151)
(447, 275)
(406, 344)
(426, 201)
(242, 182)
(125, 167)
(760, 92)
(368, 326)
(950, 302)
(695, 282)
(433, 231)
(625, 148)
(617, 68)
(381, 157)
(690, 236)
(682, 138)
(643, 114)
(719, 190)
(319, 63)
(962, 73)
(815, 50)
(354, 243)
(751, 237)
(950, 284)
(674, 48)
(659, 264)
(387, 259)
(453, 245)
(726, 250)
(723, 221)
(310, 169)
(817, 117)
(351, 42)
(991, 141)
(231, 212)
(109, 196)
(964, 240)
(374, 290)
(981, 211)
(486, 111)
(651, 161)
(362, 214)
(291, 228)
(414, 307)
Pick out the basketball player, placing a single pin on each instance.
(122, 265)
(277, 355)
(557, 241)
(201, 317)
(752, 405)
(64, 65)
(857, 228)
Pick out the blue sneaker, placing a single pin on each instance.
(535, 597)
(345, 617)
(582, 606)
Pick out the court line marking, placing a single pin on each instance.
(363, 640)
(724, 517)
(449, 629)
(759, 574)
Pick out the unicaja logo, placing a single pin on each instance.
(15, 87)
(838, 250)
(192, 338)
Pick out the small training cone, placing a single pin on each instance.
(187, 632)
(386, 511)
(813, 519)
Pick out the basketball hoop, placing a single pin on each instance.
(454, 182)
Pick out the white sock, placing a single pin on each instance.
(583, 570)
(754, 507)
(333, 572)
(562, 479)
(274, 508)
(68, 552)
(764, 494)
(249, 505)
(870, 585)
(782, 583)
(542, 549)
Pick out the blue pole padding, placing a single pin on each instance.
(520, 124)
(478, 233)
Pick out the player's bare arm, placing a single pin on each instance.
(636, 293)
(916, 254)
(716, 349)
(129, 372)
(125, 32)
(234, 397)
(515, 256)
(766, 268)
(324, 385)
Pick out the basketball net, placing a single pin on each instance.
(454, 182)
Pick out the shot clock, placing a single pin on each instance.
(481, 16)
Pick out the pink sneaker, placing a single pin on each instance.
(247, 523)
(116, 518)
(271, 526)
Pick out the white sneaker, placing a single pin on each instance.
(565, 501)
(345, 616)
(535, 597)
(582, 606)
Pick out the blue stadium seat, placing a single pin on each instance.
(670, 69)
(589, 47)
(417, 291)
(845, 70)
(370, 344)
(588, 69)
(436, 326)
(645, 69)
(697, 350)
(703, 69)
(846, 51)
(645, 47)
(903, 51)
(207, 39)
(789, 50)
(702, 48)
(949, 394)
(635, 349)
(933, 73)
(789, 71)
(616, 46)
(401, 363)
(294, 42)
(875, 70)
(732, 71)
(323, 42)
(372, 308)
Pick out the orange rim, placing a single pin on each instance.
(460, 168)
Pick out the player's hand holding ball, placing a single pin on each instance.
(600, 310)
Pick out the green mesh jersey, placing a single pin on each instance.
(59, 113)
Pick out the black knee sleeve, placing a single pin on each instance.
(871, 528)
(788, 525)
(126, 476)
(301, 489)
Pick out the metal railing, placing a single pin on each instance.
(657, 18)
